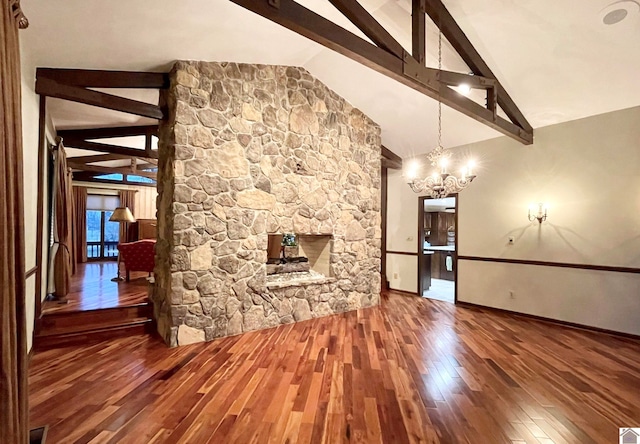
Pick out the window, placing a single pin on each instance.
(102, 235)
(114, 176)
(139, 179)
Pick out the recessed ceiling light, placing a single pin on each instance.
(619, 11)
(615, 16)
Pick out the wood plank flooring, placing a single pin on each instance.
(91, 289)
(412, 370)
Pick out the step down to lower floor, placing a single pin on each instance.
(62, 339)
(67, 328)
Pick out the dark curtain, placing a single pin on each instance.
(80, 224)
(63, 197)
(14, 421)
(127, 199)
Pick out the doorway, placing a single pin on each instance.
(437, 247)
(102, 234)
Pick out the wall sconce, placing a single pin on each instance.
(539, 214)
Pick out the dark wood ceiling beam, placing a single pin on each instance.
(109, 170)
(454, 34)
(89, 78)
(297, 18)
(456, 78)
(105, 148)
(369, 26)
(391, 164)
(107, 133)
(51, 88)
(98, 158)
(95, 158)
(418, 31)
(390, 159)
(388, 154)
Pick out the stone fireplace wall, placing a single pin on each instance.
(250, 150)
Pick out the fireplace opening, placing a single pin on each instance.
(298, 258)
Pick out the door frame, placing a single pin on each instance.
(421, 200)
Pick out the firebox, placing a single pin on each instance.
(292, 256)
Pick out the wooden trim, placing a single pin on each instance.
(407, 70)
(42, 156)
(405, 253)
(610, 268)
(455, 256)
(90, 78)
(408, 293)
(420, 253)
(51, 88)
(384, 189)
(31, 272)
(107, 133)
(568, 324)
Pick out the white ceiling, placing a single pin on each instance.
(556, 59)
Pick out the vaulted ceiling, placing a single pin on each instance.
(559, 62)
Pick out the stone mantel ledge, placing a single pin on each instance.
(300, 282)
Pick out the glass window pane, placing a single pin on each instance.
(113, 176)
(93, 226)
(111, 229)
(139, 179)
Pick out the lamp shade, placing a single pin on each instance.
(122, 214)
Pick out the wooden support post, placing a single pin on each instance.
(418, 32)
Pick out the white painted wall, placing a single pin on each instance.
(588, 171)
(402, 230)
(30, 119)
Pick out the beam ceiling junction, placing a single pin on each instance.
(389, 58)
(85, 139)
(74, 84)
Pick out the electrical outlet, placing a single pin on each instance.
(395, 275)
(512, 295)
(511, 240)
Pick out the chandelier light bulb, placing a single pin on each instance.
(412, 170)
(470, 165)
(443, 164)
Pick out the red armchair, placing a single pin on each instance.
(138, 256)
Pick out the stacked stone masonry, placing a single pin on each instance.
(250, 150)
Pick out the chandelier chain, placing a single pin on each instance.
(439, 69)
(442, 183)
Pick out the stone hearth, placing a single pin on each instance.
(250, 150)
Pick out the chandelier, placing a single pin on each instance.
(442, 184)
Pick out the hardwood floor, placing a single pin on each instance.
(411, 370)
(91, 289)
